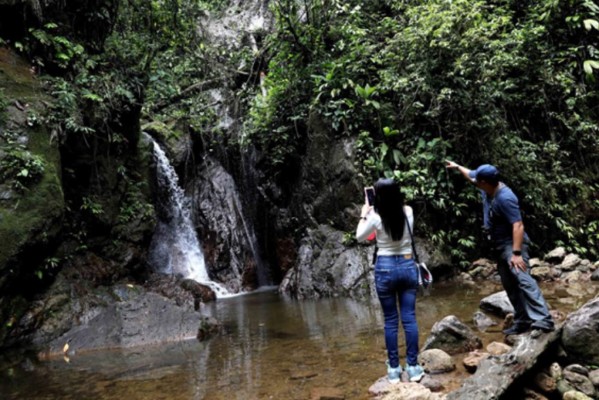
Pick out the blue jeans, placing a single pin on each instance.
(396, 281)
(523, 291)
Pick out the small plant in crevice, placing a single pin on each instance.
(20, 167)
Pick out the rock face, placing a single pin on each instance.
(31, 196)
(452, 336)
(327, 268)
(579, 336)
(132, 317)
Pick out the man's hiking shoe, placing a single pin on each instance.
(415, 372)
(393, 374)
(515, 330)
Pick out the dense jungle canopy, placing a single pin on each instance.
(509, 82)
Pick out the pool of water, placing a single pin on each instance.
(269, 348)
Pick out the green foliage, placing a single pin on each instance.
(508, 83)
(19, 166)
(92, 206)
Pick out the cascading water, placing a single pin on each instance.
(175, 248)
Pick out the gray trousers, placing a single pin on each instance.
(523, 291)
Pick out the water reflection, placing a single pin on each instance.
(270, 348)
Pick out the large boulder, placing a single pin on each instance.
(498, 304)
(579, 336)
(452, 336)
(126, 316)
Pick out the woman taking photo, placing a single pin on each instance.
(395, 272)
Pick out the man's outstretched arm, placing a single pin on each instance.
(463, 170)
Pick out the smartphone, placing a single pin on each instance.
(369, 193)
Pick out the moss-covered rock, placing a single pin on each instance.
(31, 196)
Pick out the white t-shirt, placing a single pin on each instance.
(387, 246)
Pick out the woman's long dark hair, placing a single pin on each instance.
(388, 203)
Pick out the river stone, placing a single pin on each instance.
(435, 361)
(473, 360)
(383, 390)
(595, 275)
(579, 336)
(498, 304)
(541, 273)
(584, 266)
(482, 321)
(452, 336)
(556, 255)
(572, 276)
(497, 348)
(574, 395)
(579, 382)
(594, 377)
(577, 369)
(545, 382)
(570, 262)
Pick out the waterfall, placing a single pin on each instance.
(175, 248)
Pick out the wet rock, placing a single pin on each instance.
(482, 321)
(579, 336)
(473, 360)
(556, 255)
(496, 348)
(574, 395)
(545, 382)
(498, 304)
(452, 336)
(579, 381)
(435, 361)
(570, 262)
(595, 275)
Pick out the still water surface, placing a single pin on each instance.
(270, 348)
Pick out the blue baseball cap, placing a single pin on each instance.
(485, 172)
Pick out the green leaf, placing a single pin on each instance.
(39, 274)
(590, 24)
(590, 65)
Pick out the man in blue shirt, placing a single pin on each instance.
(502, 218)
